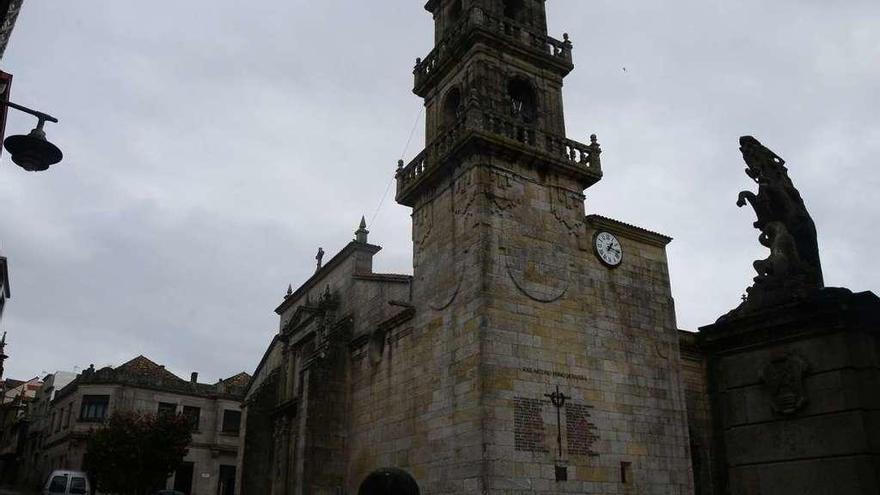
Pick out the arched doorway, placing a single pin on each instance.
(389, 481)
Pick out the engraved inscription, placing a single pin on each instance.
(528, 424)
(567, 376)
(580, 431)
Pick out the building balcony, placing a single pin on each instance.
(494, 131)
(538, 46)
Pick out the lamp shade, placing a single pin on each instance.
(33, 152)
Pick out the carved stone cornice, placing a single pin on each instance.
(628, 231)
(527, 145)
(829, 310)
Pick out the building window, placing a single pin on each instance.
(192, 414)
(626, 472)
(67, 416)
(94, 408)
(231, 421)
(167, 409)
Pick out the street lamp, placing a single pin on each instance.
(33, 152)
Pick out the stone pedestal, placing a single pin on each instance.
(795, 393)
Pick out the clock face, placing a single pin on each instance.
(608, 249)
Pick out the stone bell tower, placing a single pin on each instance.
(495, 139)
(546, 370)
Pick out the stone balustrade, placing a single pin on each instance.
(585, 156)
(477, 18)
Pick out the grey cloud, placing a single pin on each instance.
(211, 147)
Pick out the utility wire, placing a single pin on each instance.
(402, 155)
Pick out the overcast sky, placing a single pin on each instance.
(211, 146)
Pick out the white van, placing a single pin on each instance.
(67, 483)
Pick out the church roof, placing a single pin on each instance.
(328, 267)
(629, 230)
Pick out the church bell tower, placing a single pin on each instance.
(548, 368)
(496, 143)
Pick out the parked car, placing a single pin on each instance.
(62, 482)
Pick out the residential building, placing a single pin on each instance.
(4, 291)
(144, 386)
(33, 472)
(9, 10)
(18, 395)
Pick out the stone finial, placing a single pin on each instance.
(399, 164)
(289, 291)
(361, 233)
(320, 257)
(595, 152)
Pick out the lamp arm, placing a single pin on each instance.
(42, 117)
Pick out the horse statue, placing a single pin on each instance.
(793, 269)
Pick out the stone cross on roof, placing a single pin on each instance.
(320, 257)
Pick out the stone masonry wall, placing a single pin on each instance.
(695, 381)
(510, 303)
(415, 393)
(606, 337)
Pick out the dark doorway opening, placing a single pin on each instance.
(226, 483)
(183, 478)
(389, 481)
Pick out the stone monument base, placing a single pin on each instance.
(795, 392)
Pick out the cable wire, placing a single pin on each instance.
(412, 132)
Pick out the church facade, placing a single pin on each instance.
(534, 348)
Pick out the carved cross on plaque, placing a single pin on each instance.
(558, 400)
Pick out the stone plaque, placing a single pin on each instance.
(581, 432)
(528, 424)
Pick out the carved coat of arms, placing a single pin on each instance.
(784, 380)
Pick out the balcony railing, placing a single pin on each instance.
(506, 28)
(582, 156)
